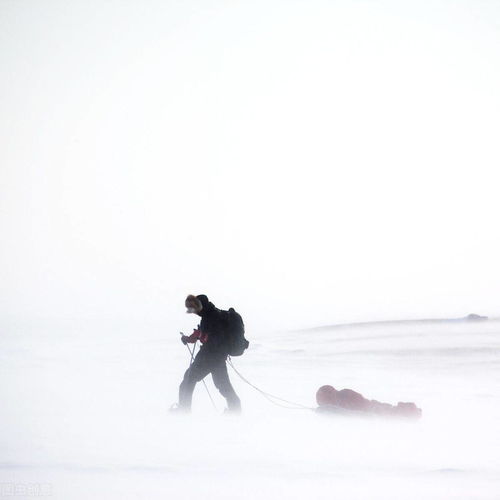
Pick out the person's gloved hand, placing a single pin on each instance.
(184, 339)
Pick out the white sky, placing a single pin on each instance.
(307, 162)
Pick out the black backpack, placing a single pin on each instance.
(235, 334)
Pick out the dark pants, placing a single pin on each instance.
(204, 363)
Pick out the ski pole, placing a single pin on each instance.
(191, 353)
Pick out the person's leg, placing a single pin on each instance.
(222, 382)
(198, 370)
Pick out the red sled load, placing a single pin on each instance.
(347, 401)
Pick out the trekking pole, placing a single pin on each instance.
(191, 352)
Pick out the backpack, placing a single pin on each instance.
(235, 334)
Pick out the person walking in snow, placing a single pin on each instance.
(211, 357)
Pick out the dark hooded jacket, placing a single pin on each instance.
(214, 325)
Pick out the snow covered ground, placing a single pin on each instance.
(84, 415)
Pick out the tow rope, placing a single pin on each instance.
(275, 400)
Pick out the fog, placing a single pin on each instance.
(308, 163)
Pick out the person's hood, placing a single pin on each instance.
(205, 303)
